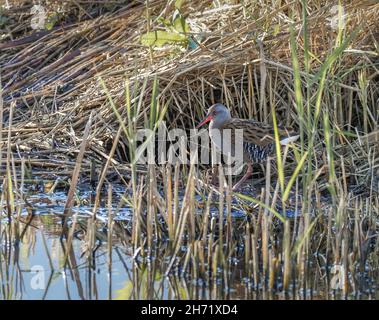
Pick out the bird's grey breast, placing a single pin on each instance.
(226, 141)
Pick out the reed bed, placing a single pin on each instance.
(53, 75)
(74, 96)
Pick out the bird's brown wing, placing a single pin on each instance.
(258, 133)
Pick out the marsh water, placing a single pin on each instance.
(35, 267)
(38, 265)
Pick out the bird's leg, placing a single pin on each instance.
(248, 174)
(213, 176)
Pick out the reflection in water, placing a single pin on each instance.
(36, 269)
(35, 262)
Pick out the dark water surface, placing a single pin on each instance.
(37, 266)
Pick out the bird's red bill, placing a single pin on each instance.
(207, 119)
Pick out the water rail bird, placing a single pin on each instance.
(258, 138)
